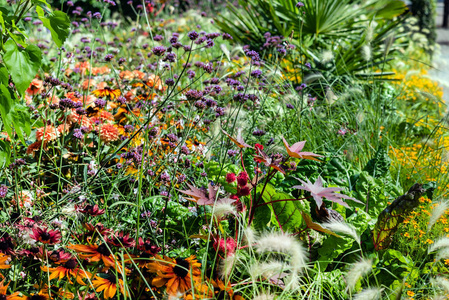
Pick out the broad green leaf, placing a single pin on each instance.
(23, 64)
(4, 75)
(5, 153)
(6, 104)
(58, 23)
(379, 165)
(21, 120)
(42, 4)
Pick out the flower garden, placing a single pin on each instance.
(215, 150)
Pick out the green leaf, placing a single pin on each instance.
(21, 120)
(4, 75)
(287, 214)
(58, 23)
(6, 104)
(42, 4)
(379, 165)
(5, 153)
(23, 64)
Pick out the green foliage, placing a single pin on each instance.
(29, 60)
(283, 214)
(58, 23)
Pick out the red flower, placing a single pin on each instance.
(121, 240)
(244, 191)
(242, 179)
(45, 236)
(91, 210)
(258, 146)
(230, 177)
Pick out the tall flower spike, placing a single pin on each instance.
(295, 151)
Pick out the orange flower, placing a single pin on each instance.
(83, 66)
(176, 274)
(3, 259)
(68, 269)
(108, 133)
(88, 83)
(108, 285)
(35, 87)
(47, 133)
(95, 253)
(156, 82)
(107, 92)
(4, 288)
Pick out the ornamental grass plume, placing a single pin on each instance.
(281, 242)
(441, 282)
(264, 297)
(369, 294)
(439, 244)
(358, 270)
(343, 228)
(437, 212)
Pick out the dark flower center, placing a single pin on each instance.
(182, 268)
(112, 279)
(37, 297)
(2, 297)
(70, 264)
(102, 249)
(45, 236)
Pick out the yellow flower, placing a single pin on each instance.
(410, 293)
(407, 234)
(429, 241)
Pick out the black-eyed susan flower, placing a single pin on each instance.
(108, 284)
(107, 92)
(176, 275)
(69, 269)
(95, 253)
(4, 261)
(46, 236)
(3, 296)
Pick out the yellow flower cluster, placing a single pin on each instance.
(418, 87)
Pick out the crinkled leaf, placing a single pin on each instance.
(379, 165)
(58, 23)
(23, 64)
(4, 75)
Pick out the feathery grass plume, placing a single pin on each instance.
(344, 228)
(312, 77)
(442, 254)
(440, 243)
(388, 43)
(369, 33)
(369, 294)
(226, 265)
(366, 52)
(437, 212)
(326, 57)
(224, 208)
(249, 236)
(358, 270)
(281, 242)
(267, 269)
(264, 297)
(441, 282)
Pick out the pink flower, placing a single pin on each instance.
(227, 246)
(319, 192)
(108, 133)
(242, 179)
